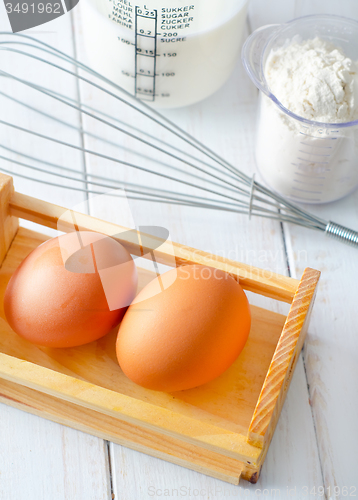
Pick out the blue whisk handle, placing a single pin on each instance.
(342, 233)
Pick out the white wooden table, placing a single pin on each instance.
(316, 440)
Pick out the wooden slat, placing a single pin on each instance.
(284, 361)
(130, 410)
(8, 223)
(251, 278)
(124, 433)
(228, 401)
(95, 365)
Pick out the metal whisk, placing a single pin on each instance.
(198, 176)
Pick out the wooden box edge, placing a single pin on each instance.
(284, 360)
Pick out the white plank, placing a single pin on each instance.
(40, 459)
(290, 467)
(331, 346)
(347, 8)
(59, 34)
(226, 122)
(262, 12)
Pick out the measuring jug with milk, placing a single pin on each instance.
(167, 53)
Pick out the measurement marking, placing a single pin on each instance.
(299, 165)
(148, 94)
(145, 17)
(155, 51)
(303, 182)
(140, 27)
(144, 55)
(323, 138)
(310, 145)
(135, 49)
(304, 199)
(314, 154)
(310, 176)
(306, 191)
(310, 161)
(146, 36)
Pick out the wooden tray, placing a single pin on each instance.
(222, 428)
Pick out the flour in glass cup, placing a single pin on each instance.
(304, 161)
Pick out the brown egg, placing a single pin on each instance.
(71, 290)
(186, 335)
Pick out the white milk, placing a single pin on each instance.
(196, 47)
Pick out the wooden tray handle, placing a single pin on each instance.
(251, 278)
(283, 363)
(8, 224)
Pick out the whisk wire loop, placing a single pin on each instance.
(209, 180)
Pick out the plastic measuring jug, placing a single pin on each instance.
(168, 53)
(304, 160)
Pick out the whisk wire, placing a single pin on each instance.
(225, 186)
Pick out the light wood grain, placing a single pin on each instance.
(251, 278)
(8, 223)
(284, 361)
(145, 410)
(134, 411)
(120, 432)
(216, 402)
(98, 398)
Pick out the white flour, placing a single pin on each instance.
(315, 80)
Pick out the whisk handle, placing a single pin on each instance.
(342, 233)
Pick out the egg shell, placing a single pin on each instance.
(66, 291)
(186, 335)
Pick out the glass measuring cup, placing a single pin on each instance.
(168, 53)
(304, 160)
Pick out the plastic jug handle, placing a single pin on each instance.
(251, 55)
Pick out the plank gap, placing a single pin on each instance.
(110, 468)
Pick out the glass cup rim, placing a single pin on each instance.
(312, 123)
